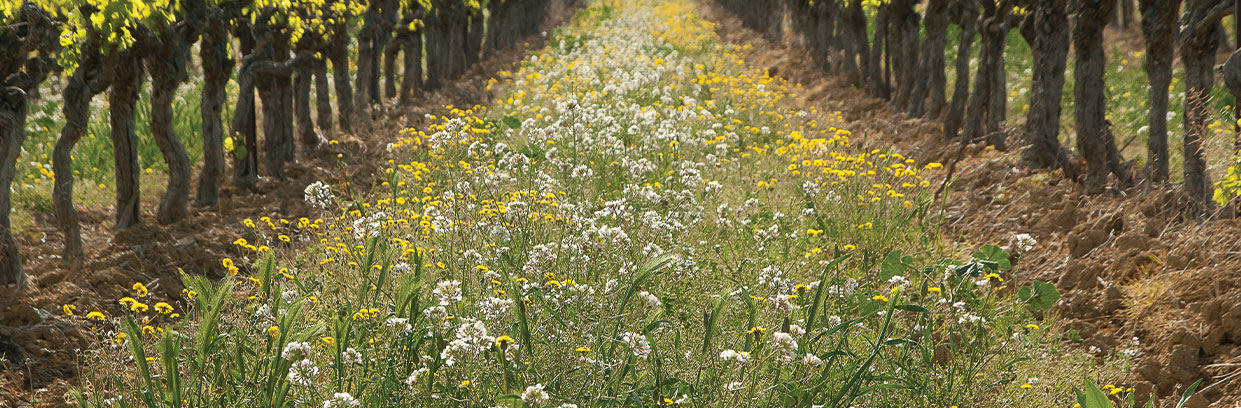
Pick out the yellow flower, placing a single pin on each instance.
(140, 289)
(933, 289)
(163, 308)
(757, 331)
(464, 383)
(849, 247)
(503, 341)
(273, 331)
(583, 349)
(880, 298)
(95, 316)
(328, 340)
(1026, 386)
(138, 307)
(68, 309)
(1032, 326)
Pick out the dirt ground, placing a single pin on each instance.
(1138, 273)
(39, 349)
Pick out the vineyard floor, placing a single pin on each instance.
(1139, 275)
(157, 253)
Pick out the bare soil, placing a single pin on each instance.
(1138, 272)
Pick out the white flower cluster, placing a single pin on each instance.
(303, 371)
(320, 195)
(472, 340)
(342, 400)
(637, 343)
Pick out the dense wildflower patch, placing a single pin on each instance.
(640, 220)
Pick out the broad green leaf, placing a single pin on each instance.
(992, 253)
(512, 122)
(1092, 397)
(894, 264)
(1039, 295)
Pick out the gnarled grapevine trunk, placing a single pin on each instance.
(987, 108)
(389, 12)
(474, 38)
(391, 53)
(301, 107)
(1159, 28)
(216, 64)
(1198, 43)
(1049, 41)
(932, 79)
(22, 73)
(338, 53)
(857, 52)
(90, 78)
(875, 70)
(903, 28)
(323, 95)
(167, 65)
(966, 16)
(275, 90)
(446, 34)
(126, 85)
(303, 81)
(244, 127)
(1094, 139)
(821, 36)
(495, 11)
(1126, 13)
(411, 81)
(13, 109)
(367, 67)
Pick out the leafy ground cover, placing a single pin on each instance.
(642, 220)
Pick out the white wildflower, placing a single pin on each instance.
(340, 400)
(534, 395)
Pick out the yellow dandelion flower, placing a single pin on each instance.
(140, 289)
